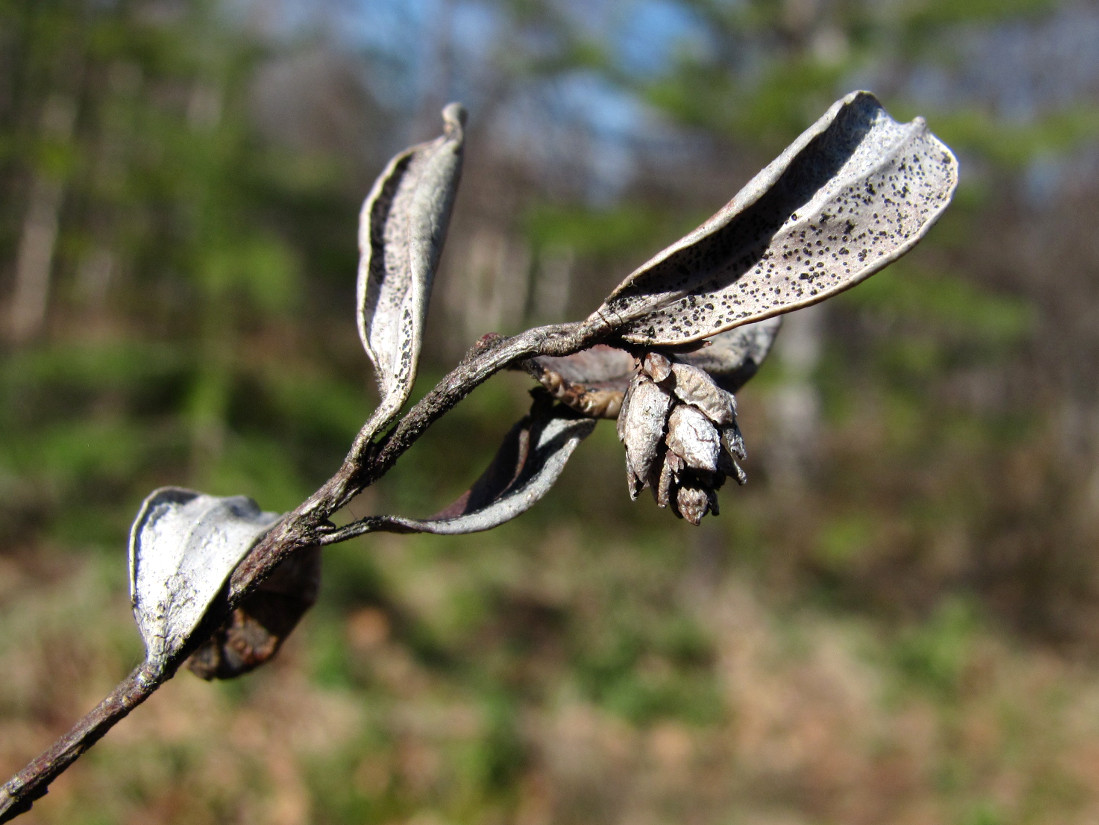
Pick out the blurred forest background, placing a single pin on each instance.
(897, 620)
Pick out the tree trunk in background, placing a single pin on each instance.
(553, 284)
(796, 404)
(491, 287)
(38, 238)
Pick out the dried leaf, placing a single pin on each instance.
(734, 356)
(529, 462)
(598, 366)
(402, 228)
(183, 547)
(850, 195)
(256, 629)
(591, 381)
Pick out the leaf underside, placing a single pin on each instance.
(527, 465)
(853, 193)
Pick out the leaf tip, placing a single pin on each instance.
(454, 117)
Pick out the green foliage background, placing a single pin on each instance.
(894, 621)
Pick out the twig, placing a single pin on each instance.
(306, 526)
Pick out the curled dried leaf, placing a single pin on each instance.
(256, 629)
(183, 547)
(530, 460)
(853, 193)
(402, 228)
(591, 381)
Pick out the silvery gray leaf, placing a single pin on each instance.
(183, 547)
(853, 193)
(402, 228)
(529, 462)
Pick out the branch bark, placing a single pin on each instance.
(31, 783)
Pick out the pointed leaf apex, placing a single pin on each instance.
(454, 117)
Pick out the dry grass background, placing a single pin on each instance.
(531, 678)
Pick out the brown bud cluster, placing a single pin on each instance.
(681, 436)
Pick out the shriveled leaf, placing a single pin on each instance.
(529, 462)
(402, 228)
(734, 356)
(183, 547)
(256, 629)
(591, 381)
(850, 195)
(599, 366)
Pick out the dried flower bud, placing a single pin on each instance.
(694, 438)
(692, 503)
(681, 437)
(641, 427)
(656, 366)
(693, 386)
(662, 490)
